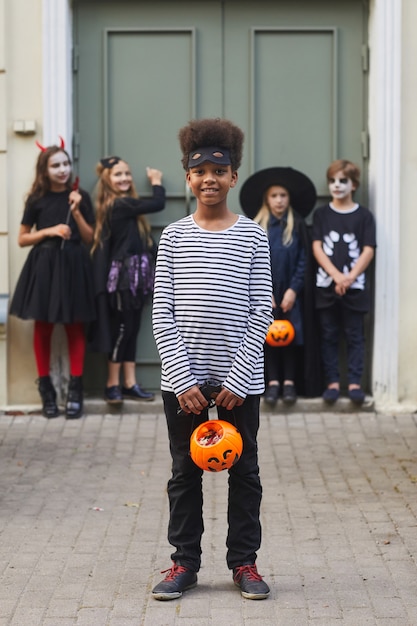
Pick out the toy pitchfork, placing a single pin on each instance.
(75, 187)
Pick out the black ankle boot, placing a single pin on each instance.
(74, 405)
(48, 395)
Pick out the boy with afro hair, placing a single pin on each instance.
(211, 312)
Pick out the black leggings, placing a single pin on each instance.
(125, 327)
(280, 362)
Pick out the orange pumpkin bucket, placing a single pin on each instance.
(215, 445)
(280, 334)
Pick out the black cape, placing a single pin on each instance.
(309, 375)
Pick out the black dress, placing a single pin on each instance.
(113, 263)
(290, 268)
(288, 263)
(56, 282)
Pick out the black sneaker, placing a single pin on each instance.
(137, 393)
(289, 395)
(271, 395)
(251, 585)
(177, 580)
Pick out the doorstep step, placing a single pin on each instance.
(98, 406)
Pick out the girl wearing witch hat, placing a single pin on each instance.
(278, 198)
(56, 282)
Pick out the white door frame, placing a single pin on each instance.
(384, 192)
(57, 71)
(384, 164)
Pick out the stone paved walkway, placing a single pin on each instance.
(83, 516)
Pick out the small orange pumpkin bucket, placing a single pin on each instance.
(280, 334)
(215, 445)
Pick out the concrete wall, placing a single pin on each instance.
(22, 33)
(4, 283)
(407, 293)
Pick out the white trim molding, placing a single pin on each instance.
(385, 191)
(57, 120)
(57, 72)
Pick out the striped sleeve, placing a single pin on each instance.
(175, 363)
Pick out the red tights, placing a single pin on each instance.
(42, 346)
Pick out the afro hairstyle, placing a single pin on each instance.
(212, 132)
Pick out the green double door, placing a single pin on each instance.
(293, 75)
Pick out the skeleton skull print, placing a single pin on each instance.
(351, 252)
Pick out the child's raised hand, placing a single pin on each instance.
(154, 175)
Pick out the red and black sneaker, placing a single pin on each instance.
(177, 580)
(251, 585)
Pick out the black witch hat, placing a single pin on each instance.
(302, 191)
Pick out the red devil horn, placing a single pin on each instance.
(61, 143)
(40, 146)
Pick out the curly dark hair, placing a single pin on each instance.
(212, 132)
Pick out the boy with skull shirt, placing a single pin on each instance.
(344, 242)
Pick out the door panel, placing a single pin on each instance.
(294, 80)
(140, 125)
(144, 70)
(309, 138)
(289, 73)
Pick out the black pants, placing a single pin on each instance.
(334, 321)
(185, 493)
(280, 363)
(125, 327)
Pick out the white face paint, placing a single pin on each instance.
(59, 171)
(340, 186)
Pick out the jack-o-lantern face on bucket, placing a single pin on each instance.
(215, 445)
(280, 334)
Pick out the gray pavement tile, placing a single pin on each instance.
(83, 517)
(92, 616)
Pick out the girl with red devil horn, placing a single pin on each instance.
(55, 284)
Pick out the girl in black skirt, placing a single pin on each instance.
(56, 284)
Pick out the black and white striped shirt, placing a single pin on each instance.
(212, 305)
